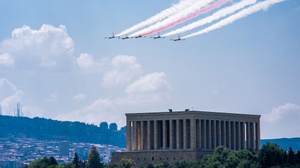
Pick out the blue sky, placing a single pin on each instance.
(55, 61)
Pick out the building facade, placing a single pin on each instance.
(64, 147)
(186, 135)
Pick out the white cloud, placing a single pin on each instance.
(141, 99)
(280, 112)
(123, 69)
(87, 63)
(10, 102)
(52, 98)
(282, 121)
(79, 97)
(49, 47)
(6, 60)
(142, 93)
(4, 81)
(99, 110)
(149, 83)
(9, 96)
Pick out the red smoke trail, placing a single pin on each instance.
(215, 5)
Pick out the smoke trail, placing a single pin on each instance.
(243, 13)
(196, 6)
(161, 15)
(215, 5)
(219, 14)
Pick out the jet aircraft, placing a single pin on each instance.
(158, 36)
(177, 39)
(139, 36)
(112, 36)
(126, 37)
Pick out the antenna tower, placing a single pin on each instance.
(19, 109)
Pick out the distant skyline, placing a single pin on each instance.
(55, 61)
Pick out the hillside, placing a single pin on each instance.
(47, 129)
(285, 143)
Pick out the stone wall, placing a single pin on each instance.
(156, 157)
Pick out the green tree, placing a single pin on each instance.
(165, 165)
(183, 164)
(150, 165)
(76, 161)
(53, 161)
(160, 165)
(271, 155)
(68, 165)
(284, 159)
(44, 162)
(297, 157)
(127, 163)
(232, 160)
(291, 157)
(94, 159)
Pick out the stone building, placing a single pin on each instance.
(159, 137)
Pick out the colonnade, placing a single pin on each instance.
(192, 134)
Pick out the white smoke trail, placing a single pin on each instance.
(243, 13)
(196, 6)
(161, 15)
(217, 15)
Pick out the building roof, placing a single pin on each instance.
(192, 114)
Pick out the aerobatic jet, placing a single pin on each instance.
(158, 36)
(177, 39)
(139, 36)
(112, 36)
(126, 37)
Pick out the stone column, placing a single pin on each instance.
(178, 134)
(204, 134)
(248, 135)
(229, 134)
(128, 134)
(142, 136)
(193, 133)
(238, 143)
(155, 135)
(199, 134)
(184, 134)
(139, 134)
(215, 134)
(134, 142)
(252, 136)
(224, 134)
(164, 134)
(258, 135)
(171, 134)
(148, 135)
(243, 135)
(234, 136)
(219, 134)
(209, 134)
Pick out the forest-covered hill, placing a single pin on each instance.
(285, 143)
(47, 129)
